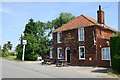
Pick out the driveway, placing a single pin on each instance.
(28, 69)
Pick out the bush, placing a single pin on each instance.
(5, 53)
(115, 63)
(0, 53)
(31, 57)
(115, 52)
(12, 54)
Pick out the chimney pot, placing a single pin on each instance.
(100, 16)
(99, 7)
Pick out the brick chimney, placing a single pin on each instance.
(100, 16)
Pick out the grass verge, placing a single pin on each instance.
(12, 58)
(113, 73)
(0, 53)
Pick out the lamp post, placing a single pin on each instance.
(24, 42)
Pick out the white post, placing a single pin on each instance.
(23, 53)
(24, 42)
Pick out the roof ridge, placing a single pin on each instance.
(70, 21)
(87, 18)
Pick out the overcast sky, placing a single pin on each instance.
(16, 14)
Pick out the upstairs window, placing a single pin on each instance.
(106, 53)
(59, 37)
(81, 52)
(59, 53)
(81, 34)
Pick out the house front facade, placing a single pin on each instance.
(83, 41)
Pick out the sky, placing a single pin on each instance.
(15, 15)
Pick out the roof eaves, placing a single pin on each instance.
(88, 19)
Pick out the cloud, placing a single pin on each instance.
(6, 11)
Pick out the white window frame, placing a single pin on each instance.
(80, 53)
(58, 37)
(79, 35)
(58, 53)
(105, 52)
(51, 53)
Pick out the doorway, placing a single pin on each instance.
(67, 52)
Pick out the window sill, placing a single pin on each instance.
(59, 42)
(105, 59)
(81, 40)
(81, 58)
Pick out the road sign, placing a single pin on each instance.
(24, 42)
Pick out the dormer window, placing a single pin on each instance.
(81, 34)
(59, 37)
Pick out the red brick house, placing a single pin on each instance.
(84, 41)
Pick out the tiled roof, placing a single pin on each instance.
(80, 21)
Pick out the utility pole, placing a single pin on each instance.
(24, 42)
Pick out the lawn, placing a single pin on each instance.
(112, 72)
(11, 58)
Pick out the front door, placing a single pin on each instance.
(68, 55)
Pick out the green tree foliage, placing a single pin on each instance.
(115, 52)
(37, 40)
(5, 50)
(19, 51)
(9, 45)
(62, 19)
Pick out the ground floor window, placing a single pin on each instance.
(82, 52)
(51, 55)
(59, 53)
(106, 53)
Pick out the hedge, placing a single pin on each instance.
(115, 52)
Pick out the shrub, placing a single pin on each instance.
(115, 52)
(5, 54)
(31, 57)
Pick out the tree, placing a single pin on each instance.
(19, 51)
(9, 45)
(62, 19)
(5, 50)
(0, 47)
(37, 40)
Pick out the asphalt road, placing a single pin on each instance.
(12, 69)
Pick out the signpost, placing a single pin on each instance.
(24, 42)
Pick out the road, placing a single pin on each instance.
(12, 69)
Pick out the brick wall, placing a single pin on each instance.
(102, 37)
(70, 39)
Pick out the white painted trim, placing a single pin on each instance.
(58, 37)
(79, 53)
(57, 52)
(105, 52)
(79, 34)
(51, 53)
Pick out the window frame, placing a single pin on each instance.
(104, 54)
(79, 35)
(51, 53)
(58, 37)
(80, 53)
(58, 52)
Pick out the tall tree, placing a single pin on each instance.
(62, 19)
(37, 40)
(9, 45)
(5, 50)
